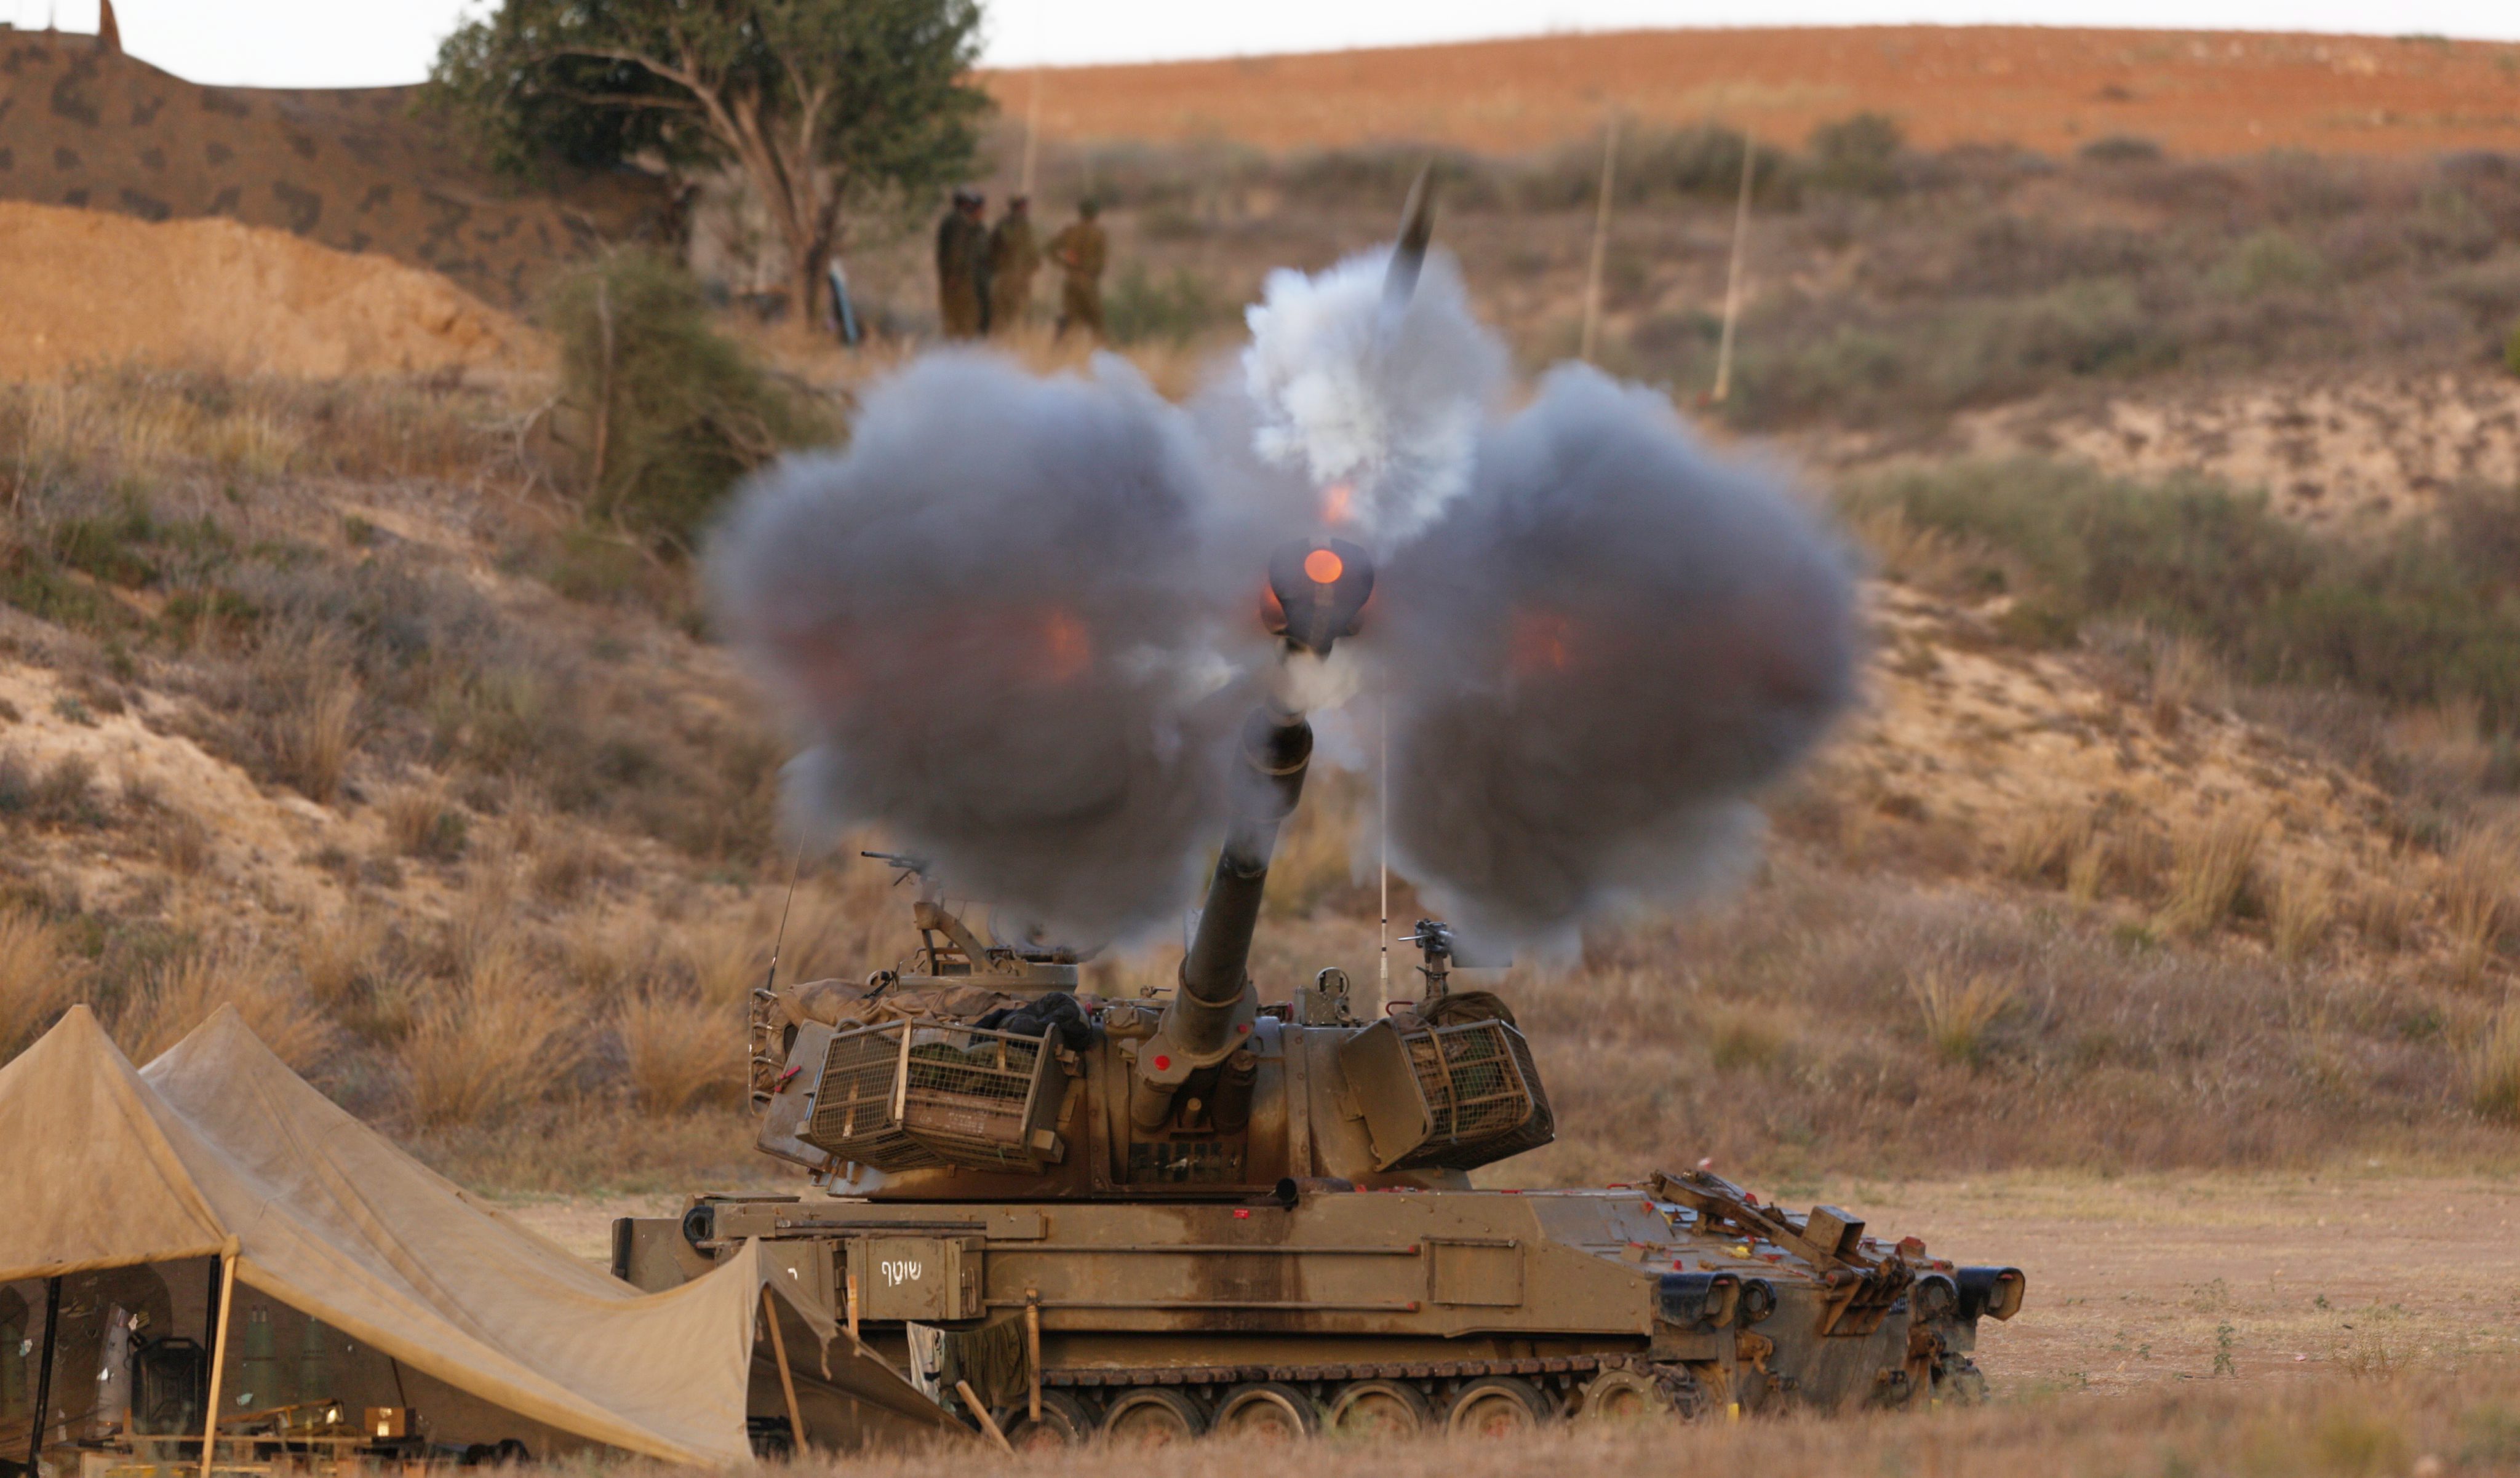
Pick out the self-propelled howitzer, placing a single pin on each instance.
(1223, 1210)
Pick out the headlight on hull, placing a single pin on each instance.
(1992, 1292)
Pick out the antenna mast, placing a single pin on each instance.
(1732, 276)
(1383, 806)
(1601, 240)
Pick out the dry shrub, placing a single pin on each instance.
(1959, 1019)
(488, 1046)
(2491, 1063)
(181, 840)
(2089, 870)
(2182, 675)
(309, 728)
(2448, 739)
(843, 924)
(1745, 1037)
(726, 957)
(337, 955)
(678, 1051)
(2041, 847)
(1906, 551)
(2211, 868)
(36, 976)
(2305, 905)
(420, 822)
(607, 951)
(254, 441)
(183, 993)
(567, 863)
(2385, 914)
(2476, 901)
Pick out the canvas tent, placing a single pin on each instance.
(218, 1149)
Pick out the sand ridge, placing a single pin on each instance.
(95, 287)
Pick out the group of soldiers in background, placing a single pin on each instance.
(984, 273)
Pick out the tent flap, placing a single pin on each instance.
(217, 1145)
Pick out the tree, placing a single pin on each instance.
(822, 103)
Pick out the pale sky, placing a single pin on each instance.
(349, 43)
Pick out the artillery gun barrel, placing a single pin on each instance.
(1316, 590)
(1275, 752)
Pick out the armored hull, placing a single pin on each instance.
(1281, 1270)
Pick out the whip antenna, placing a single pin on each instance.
(1382, 805)
(779, 941)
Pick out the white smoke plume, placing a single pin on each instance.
(1015, 620)
(1609, 643)
(996, 622)
(1378, 405)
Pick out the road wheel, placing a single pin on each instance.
(1266, 1412)
(1063, 1423)
(1378, 1409)
(1495, 1406)
(1151, 1416)
(1617, 1396)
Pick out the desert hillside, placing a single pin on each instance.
(337, 685)
(2048, 88)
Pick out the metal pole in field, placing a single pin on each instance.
(1601, 240)
(1732, 276)
(1032, 129)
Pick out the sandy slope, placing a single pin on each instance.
(93, 287)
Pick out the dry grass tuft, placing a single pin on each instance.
(2385, 912)
(1748, 1038)
(310, 733)
(568, 862)
(36, 976)
(2211, 868)
(2476, 901)
(183, 993)
(489, 1045)
(420, 822)
(2305, 907)
(338, 955)
(2043, 845)
(2088, 873)
(679, 1052)
(2492, 1067)
(1958, 1019)
(2182, 675)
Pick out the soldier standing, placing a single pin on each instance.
(1081, 250)
(962, 244)
(1013, 257)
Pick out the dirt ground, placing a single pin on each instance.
(2051, 89)
(2146, 1281)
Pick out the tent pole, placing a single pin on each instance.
(44, 1376)
(787, 1378)
(218, 1362)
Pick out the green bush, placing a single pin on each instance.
(1177, 309)
(668, 413)
(2268, 261)
(1857, 155)
(2511, 349)
(2429, 615)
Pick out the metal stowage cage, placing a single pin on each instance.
(1483, 1095)
(908, 1095)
